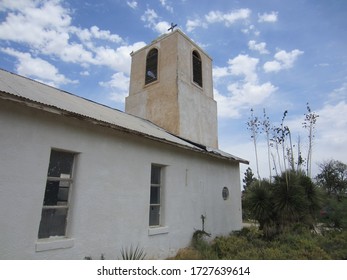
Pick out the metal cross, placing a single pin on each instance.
(172, 27)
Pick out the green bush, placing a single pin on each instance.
(296, 243)
(334, 243)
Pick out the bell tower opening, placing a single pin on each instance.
(197, 70)
(151, 66)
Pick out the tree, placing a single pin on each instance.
(333, 178)
(248, 179)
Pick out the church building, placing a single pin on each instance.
(82, 180)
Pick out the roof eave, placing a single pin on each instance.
(56, 110)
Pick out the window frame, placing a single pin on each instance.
(152, 65)
(197, 68)
(159, 203)
(64, 182)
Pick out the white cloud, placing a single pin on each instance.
(37, 68)
(226, 107)
(250, 94)
(105, 35)
(119, 85)
(166, 6)
(132, 4)
(268, 17)
(118, 81)
(244, 94)
(15, 5)
(228, 18)
(220, 72)
(244, 65)
(260, 47)
(339, 94)
(251, 30)
(283, 60)
(153, 21)
(118, 59)
(192, 24)
(332, 127)
(84, 73)
(162, 27)
(45, 27)
(149, 16)
(36, 25)
(241, 96)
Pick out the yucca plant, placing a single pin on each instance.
(133, 254)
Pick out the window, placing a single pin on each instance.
(197, 70)
(151, 66)
(56, 200)
(225, 193)
(155, 196)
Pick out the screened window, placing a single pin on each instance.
(197, 68)
(56, 200)
(151, 66)
(155, 196)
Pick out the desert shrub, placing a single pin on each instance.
(296, 243)
(131, 253)
(188, 253)
(334, 214)
(230, 246)
(334, 243)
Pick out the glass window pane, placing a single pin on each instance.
(63, 196)
(53, 222)
(60, 164)
(155, 195)
(56, 193)
(154, 214)
(155, 175)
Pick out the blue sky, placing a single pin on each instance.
(270, 54)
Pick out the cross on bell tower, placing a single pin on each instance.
(172, 27)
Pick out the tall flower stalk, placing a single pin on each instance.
(253, 126)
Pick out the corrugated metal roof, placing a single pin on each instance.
(37, 93)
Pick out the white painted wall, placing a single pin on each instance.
(110, 196)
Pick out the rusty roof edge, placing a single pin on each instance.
(214, 151)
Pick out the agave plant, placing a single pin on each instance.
(133, 254)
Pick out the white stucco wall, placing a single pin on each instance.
(110, 195)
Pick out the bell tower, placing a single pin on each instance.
(171, 86)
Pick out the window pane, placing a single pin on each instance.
(53, 222)
(155, 195)
(154, 212)
(57, 193)
(155, 175)
(60, 164)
